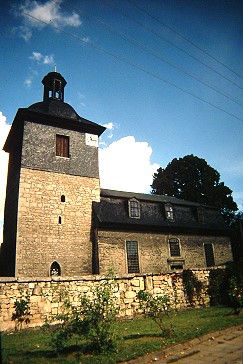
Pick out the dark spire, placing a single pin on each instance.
(54, 85)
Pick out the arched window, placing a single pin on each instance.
(55, 269)
(63, 199)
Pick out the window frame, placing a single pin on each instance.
(173, 241)
(133, 264)
(134, 208)
(208, 258)
(169, 212)
(62, 146)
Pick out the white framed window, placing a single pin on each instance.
(169, 212)
(134, 208)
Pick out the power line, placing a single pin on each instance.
(182, 36)
(130, 63)
(152, 52)
(171, 43)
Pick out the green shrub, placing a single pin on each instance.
(158, 309)
(193, 287)
(92, 319)
(22, 313)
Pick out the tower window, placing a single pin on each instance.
(62, 146)
(169, 213)
(63, 198)
(132, 256)
(134, 208)
(55, 269)
(209, 255)
(59, 219)
(174, 247)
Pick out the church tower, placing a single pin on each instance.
(53, 178)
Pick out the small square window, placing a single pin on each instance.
(62, 146)
(134, 208)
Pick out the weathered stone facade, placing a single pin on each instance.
(154, 252)
(42, 293)
(50, 230)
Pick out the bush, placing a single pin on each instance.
(193, 287)
(92, 319)
(158, 309)
(22, 313)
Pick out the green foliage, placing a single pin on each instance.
(92, 319)
(226, 286)
(191, 178)
(22, 313)
(193, 287)
(216, 288)
(140, 336)
(157, 308)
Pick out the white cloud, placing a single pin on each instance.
(28, 82)
(125, 165)
(41, 59)
(4, 127)
(47, 12)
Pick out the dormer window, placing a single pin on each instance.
(169, 213)
(134, 208)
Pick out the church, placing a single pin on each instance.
(58, 221)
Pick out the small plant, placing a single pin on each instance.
(236, 295)
(92, 319)
(158, 309)
(22, 313)
(193, 287)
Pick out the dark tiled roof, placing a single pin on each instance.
(112, 212)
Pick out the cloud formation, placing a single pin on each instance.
(41, 59)
(4, 127)
(125, 165)
(47, 12)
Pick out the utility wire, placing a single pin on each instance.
(151, 52)
(130, 63)
(182, 36)
(171, 43)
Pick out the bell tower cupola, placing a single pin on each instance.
(54, 84)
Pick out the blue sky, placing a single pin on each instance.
(163, 76)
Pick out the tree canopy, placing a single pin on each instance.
(191, 178)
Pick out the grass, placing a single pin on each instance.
(138, 336)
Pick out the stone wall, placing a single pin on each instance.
(43, 293)
(154, 252)
(51, 230)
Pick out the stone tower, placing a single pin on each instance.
(53, 178)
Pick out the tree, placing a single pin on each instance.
(191, 178)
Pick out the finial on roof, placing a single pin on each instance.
(55, 68)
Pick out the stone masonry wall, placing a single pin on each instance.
(154, 252)
(50, 230)
(42, 293)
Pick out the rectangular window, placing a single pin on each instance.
(209, 255)
(134, 208)
(132, 256)
(62, 146)
(174, 247)
(169, 214)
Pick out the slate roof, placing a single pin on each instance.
(112, 212)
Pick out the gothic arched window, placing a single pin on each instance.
(55, 269)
